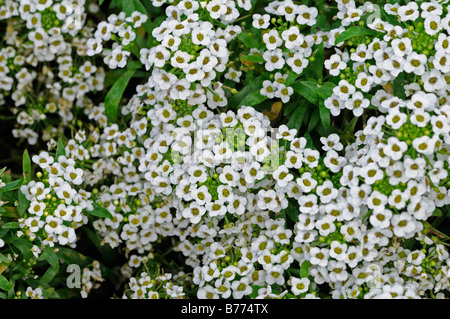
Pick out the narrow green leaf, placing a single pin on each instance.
(4, 259)
(11, 225)
(314, 120)
(249, 95)
(304, 269)
(53, 270)
(24, 203)
(292, 76)
(24, 246)
(302, 88)
(313, 91)
(296, 118)
(26, 165)
(71, 256)
(134, 65)
(138, 6)
(399, 86)
(324, 115)
(60, 149)
(46, 253)
(354, 32)
(12, 185)
(251, 40)
(127, 6)
(100, 2)
(292, 212)
(5, 284)
(326, 90)
(318, 63)
(253, 58)
(114, 96)
(100, 211)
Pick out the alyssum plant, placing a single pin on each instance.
(228, 149)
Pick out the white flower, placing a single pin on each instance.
(297, 62)
(282, 175)
(433, 24)
(404, 225)
(43, 159)
(292, 38)
(260, 21)
(299, 286)
(272, 40)
(180, 59)
(335, 64)
(274, 59)
(307, 15)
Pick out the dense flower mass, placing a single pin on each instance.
(228, 149)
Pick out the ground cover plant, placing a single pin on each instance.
(224, 149)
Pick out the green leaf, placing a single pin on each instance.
(24, 246)
(100, 2)
(324, 115)
(399, 86)
(100, 211)
(71, 256)
(255, 289)
(355, 32)
(251, 40)
(127, 6)
(60, 149)
(24, 203)
(296, 118)
(304, 90)
(46, 253)
(114, 96)
(249, 95)
(11, 225)
(292, 212)
(12, 185)
(253, 58)
(326, 90)
(313, 91)
(314, 120)
(4, 259)
(309, 141)
(134, 65)
(304, 269)
(318, 63)
(138, 6)
(292, 76)
(26, 165)
(5, 284)
(51, 272)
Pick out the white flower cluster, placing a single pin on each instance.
(56, 202)
(257, 212)
(41, 77)
(161, 286)
(91, 278)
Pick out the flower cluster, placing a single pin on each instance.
(56, 202)
(247, 203)
(45, 75)
(146, 287)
